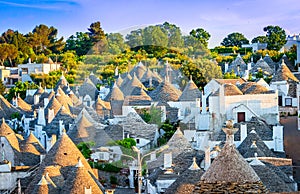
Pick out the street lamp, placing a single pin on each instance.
(140, 160)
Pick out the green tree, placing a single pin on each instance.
(69, 60)
(126, 142)
(116, 43)
(8, 51)
(194, 48)
(235, 39)
(80, 43)
(230, 75)
(43, 39)
(154, 35)
(260, 39)
(202, 70)
(3, 53)
(97, 37)
(12, 53)
(174, 34)
(201, 35)
(134, 38)
(20, 88)
(169, 129)
(276, 37)
(84, 148)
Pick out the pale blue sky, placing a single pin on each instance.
(218, 17)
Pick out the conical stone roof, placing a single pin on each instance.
(53, 104)
(283, 74)
(5, 129)
(165, 92)
(263, 66)
(78, 180)
(190, 93)
(131, 85)
(64, 153)
(23, 105)
(115, 94)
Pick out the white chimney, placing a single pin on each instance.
(36, 99)
(150, 82)
(61, 127)
(50, 115)
(42, 156)
(226, 67)
(46, 101)
(249, 67)
(203, 103)
(243, 131)
(207, 158)
(167, 160)
(41, 117)
(87, 190)
(278, 138)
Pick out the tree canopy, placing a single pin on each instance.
(201, 35)
(235, 39)
(276, 37)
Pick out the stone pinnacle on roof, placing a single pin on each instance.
(79, 164)
(283, 74)
(256, 161)
(43, 181)
(5, 129)
(229, 166)
(230, 131)
(115, 94)
(49, 180)
(64, 153)
(191, 92)
(194, 165)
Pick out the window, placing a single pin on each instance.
(241, 117)
(88, 103)
(137, 141)
(288, 102)
(101, 156)
(279, 100)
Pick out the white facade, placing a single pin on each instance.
(283, 89)
(30, 68)
(260, 105)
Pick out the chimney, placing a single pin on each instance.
(207, 158)
(61, 127)
(36, 99)
(226, 67)
(87, 190)
(50, 115)
(42, 156)
(167, 160)
(46, 101)
(150, 82)
(243, 131)
(249, 67)
(222, 99)
(41, 117)
(230, 131)
(203, 103)
(15, 101)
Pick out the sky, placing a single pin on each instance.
(218, 17)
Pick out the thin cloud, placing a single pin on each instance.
(48, 5)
